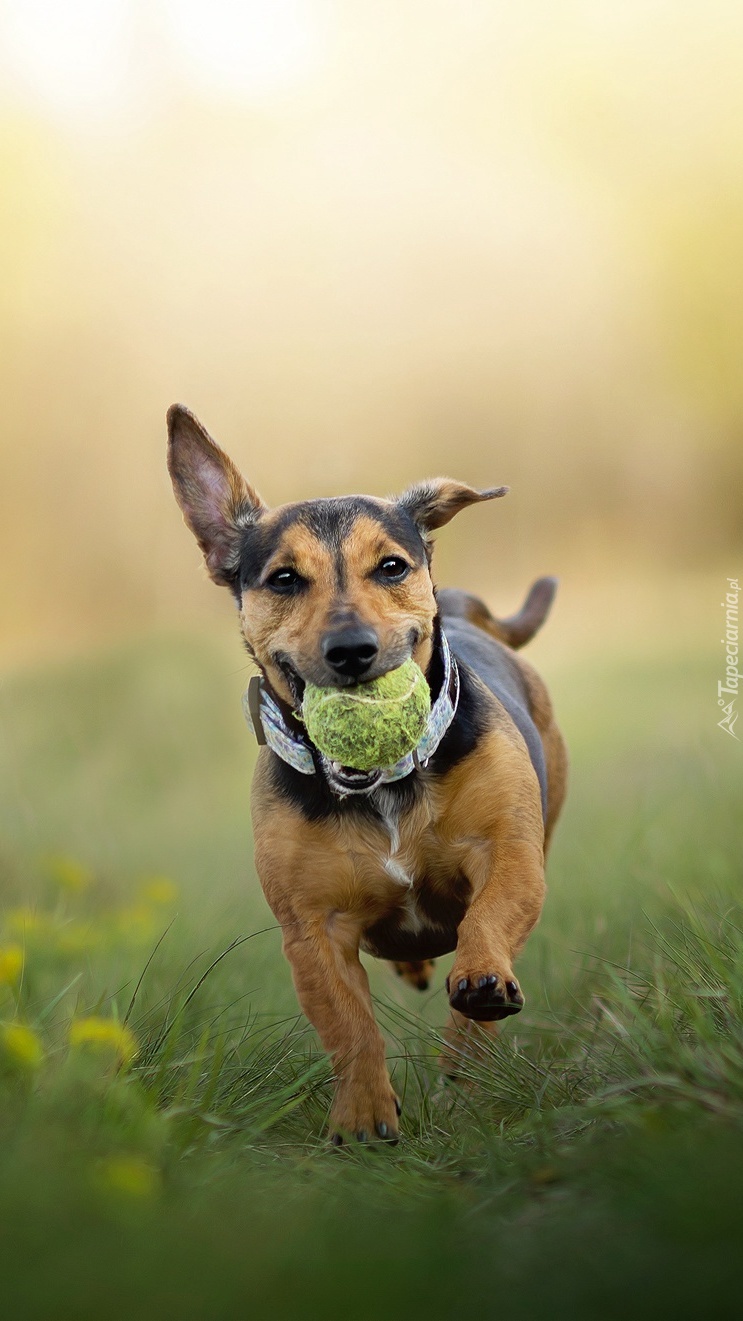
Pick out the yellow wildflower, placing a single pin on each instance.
(69, 873)
(159, 890)
(11, 964)
(130, 1175)
(104, 1034)
(21, 1046)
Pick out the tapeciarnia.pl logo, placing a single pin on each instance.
(728, 688)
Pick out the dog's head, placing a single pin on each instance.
(330, 591)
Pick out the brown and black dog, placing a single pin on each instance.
(450, 856)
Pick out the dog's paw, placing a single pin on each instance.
(417, 973)
(484, 996)
(361, 1116)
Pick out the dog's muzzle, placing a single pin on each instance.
(271, 728)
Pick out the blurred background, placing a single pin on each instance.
(366, 243)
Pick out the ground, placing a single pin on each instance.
(164, 1103)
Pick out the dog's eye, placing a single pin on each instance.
(285, 580)
(393, 569)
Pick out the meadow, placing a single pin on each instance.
(163, 1102)
(366, 243)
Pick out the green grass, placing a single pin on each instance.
(590, 1168)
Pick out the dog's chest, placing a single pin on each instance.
(420, 884)
(399, 863)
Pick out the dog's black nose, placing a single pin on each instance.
(350, 651)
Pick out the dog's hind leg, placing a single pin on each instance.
(465, 1043)
(416, 972)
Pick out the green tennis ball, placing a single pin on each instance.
(372, 724)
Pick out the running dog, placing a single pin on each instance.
(443, 852)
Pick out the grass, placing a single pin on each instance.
(161, 1119)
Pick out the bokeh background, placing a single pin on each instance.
(369, 242)
(366, 242)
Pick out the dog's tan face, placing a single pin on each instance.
(330, 591)
(334, 591)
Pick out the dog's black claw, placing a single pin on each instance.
(336, 1140)
(486, 998)
(362, 1135)
(391, 1139)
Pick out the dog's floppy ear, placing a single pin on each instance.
(215, 499)
(431, 504)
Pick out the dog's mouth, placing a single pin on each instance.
(294, 680)
(296, 684)
(347, 780)
(343, 779)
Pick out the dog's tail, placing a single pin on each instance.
(515, 631)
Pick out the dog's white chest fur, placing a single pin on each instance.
(387, 805)
(399, 867)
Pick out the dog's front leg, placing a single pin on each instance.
(333, 990)
(508, 898)
(310, 881)
(497, 811)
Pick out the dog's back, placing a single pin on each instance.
(487, 646)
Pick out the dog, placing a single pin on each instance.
(444, 852)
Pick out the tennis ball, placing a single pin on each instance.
(372, 724)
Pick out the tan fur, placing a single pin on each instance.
(294, 626)
(465, 861)
(327, 884)
(416, 972)
(515, 631)
(555, 752)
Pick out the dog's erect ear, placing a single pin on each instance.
(215, 499)
(431, 504)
